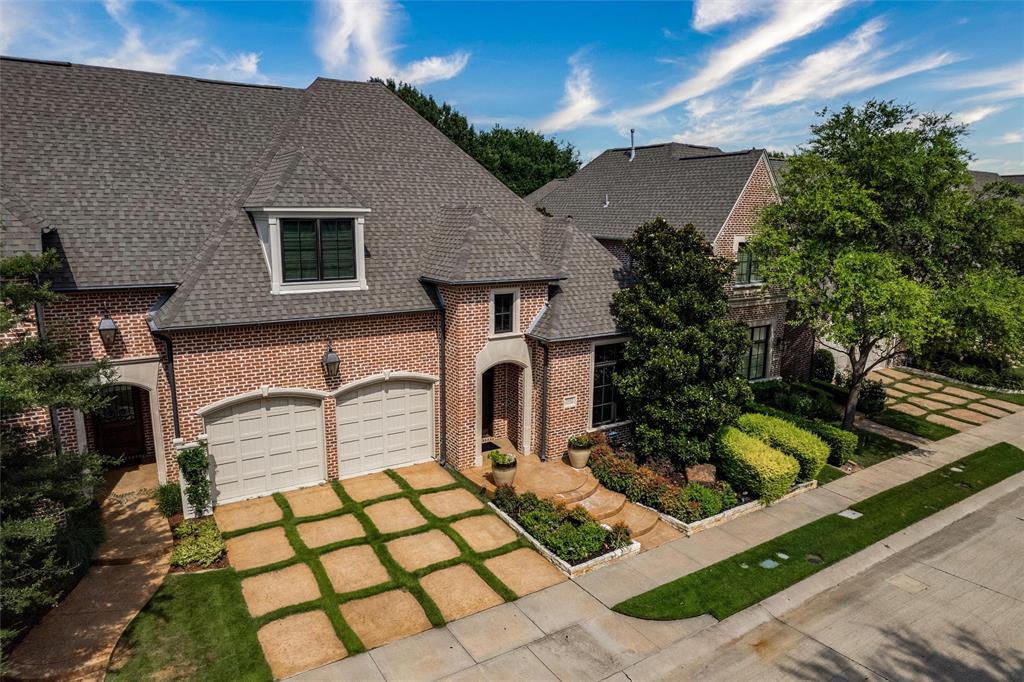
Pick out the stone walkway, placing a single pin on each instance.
(940, 403)
(554, 479)
(567, 632)
(74, 641)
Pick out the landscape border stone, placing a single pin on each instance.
(933, 375)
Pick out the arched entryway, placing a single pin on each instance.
(122, 429)
(501, 421)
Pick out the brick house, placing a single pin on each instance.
(316, 281)
(719, 193)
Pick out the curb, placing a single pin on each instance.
(668, 662)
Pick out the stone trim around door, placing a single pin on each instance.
(513, 350)
(263, 392)
(384, 376)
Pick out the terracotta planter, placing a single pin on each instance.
(578, 457)
(503, 474)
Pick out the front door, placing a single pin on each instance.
(487, 396)
(118, 427)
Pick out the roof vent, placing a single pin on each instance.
(632, 144)
(606, 202)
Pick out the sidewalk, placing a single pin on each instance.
(74, 640)
(567, 631)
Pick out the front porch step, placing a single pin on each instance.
(639, 520)
(658, 535)
(584, 490)
(602, 504)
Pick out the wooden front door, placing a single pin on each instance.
(118, 427)
(487, 396)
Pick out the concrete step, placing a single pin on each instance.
(602, 504)
(658, 535)
(584, 490)
(640, 521)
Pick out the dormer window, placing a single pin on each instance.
(504, 312)
(318, 249)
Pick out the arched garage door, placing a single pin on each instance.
(265, 444)
(385, 424)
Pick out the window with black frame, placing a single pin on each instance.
(318, 249)
(607, 403)
(746, 266)
(755, 364)
(504, 313)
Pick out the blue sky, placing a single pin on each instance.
(730, 73)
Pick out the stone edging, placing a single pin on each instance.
(565, 567)
(729, 514)
(933, 375)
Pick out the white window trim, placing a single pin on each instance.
(515, 314)
(736, 241)
(268, 225)
(590, 383)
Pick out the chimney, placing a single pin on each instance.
(632, 145)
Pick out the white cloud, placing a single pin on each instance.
(578, 103)
(355, 39)
(976, 114)
(1011, 138)
(136, 52)
(850, 65)
(1001, 166)
(1007, 82)
(708, 14)
(791, 19)
(243, 67)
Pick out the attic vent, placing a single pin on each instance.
(606, 202)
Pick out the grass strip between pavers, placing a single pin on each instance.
(918, 426)
(733, 584)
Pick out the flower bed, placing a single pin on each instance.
(571, 539)
(198, 546)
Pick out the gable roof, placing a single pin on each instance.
(470, 247)
(144, 179)
(20, 231)
(612, 195)
(534, 197)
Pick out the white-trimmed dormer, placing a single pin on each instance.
(313, 249)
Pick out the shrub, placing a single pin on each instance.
(641, 484)
(823, 365)
(842, 445)
(199, 544)
(501, 458)
(168, 499)
(871, 400)
(753, 465)
(794, 398)
(194, 466)
(803, 446)
(582, 441)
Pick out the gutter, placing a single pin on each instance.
(543, 449)
(442, 335)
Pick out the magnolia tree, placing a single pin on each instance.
(678, 375)
(879, 232)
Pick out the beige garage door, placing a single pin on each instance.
(265, 444)
(386, 424)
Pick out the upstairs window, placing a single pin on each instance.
(755, 364)
(746, 266)
(504, 313)
(607, 404)
(318, 249)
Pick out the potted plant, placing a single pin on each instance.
(503, 467)
(579, 450)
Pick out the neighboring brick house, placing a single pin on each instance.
(719, 193)
(315, 280)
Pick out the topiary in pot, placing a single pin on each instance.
(579, 450)
(503, 467)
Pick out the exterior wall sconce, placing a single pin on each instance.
(108, 331)
(331, 363)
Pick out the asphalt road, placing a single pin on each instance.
(949, 608)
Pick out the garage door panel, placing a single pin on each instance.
(385, 424)
(265, 444)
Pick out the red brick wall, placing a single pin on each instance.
(569, 375)
(507, 402)
(758, 314)
(76, 319)
(758, 193)
(210, 365)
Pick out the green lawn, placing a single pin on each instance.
(919, 426)
(732, 585)
(195, 627)
(829, 473)
(873, 448)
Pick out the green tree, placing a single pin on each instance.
(49, 523)
(877, 224)
(522, 159)
(678, 375)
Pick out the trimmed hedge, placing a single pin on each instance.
(803, 446)
(823, 365)
(842, 445)
(751, 464)
(640, 484)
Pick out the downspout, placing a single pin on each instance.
(54, 417)
(544, 403)
(169, 369)
(442, 335)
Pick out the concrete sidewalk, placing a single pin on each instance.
(567, 631)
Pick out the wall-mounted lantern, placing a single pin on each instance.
(331, 363)
(108, 331)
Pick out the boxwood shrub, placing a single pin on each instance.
(751, 464)
(640, 484)
(572, 534)
(803, 446)
(842, 445)
(199, 544)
